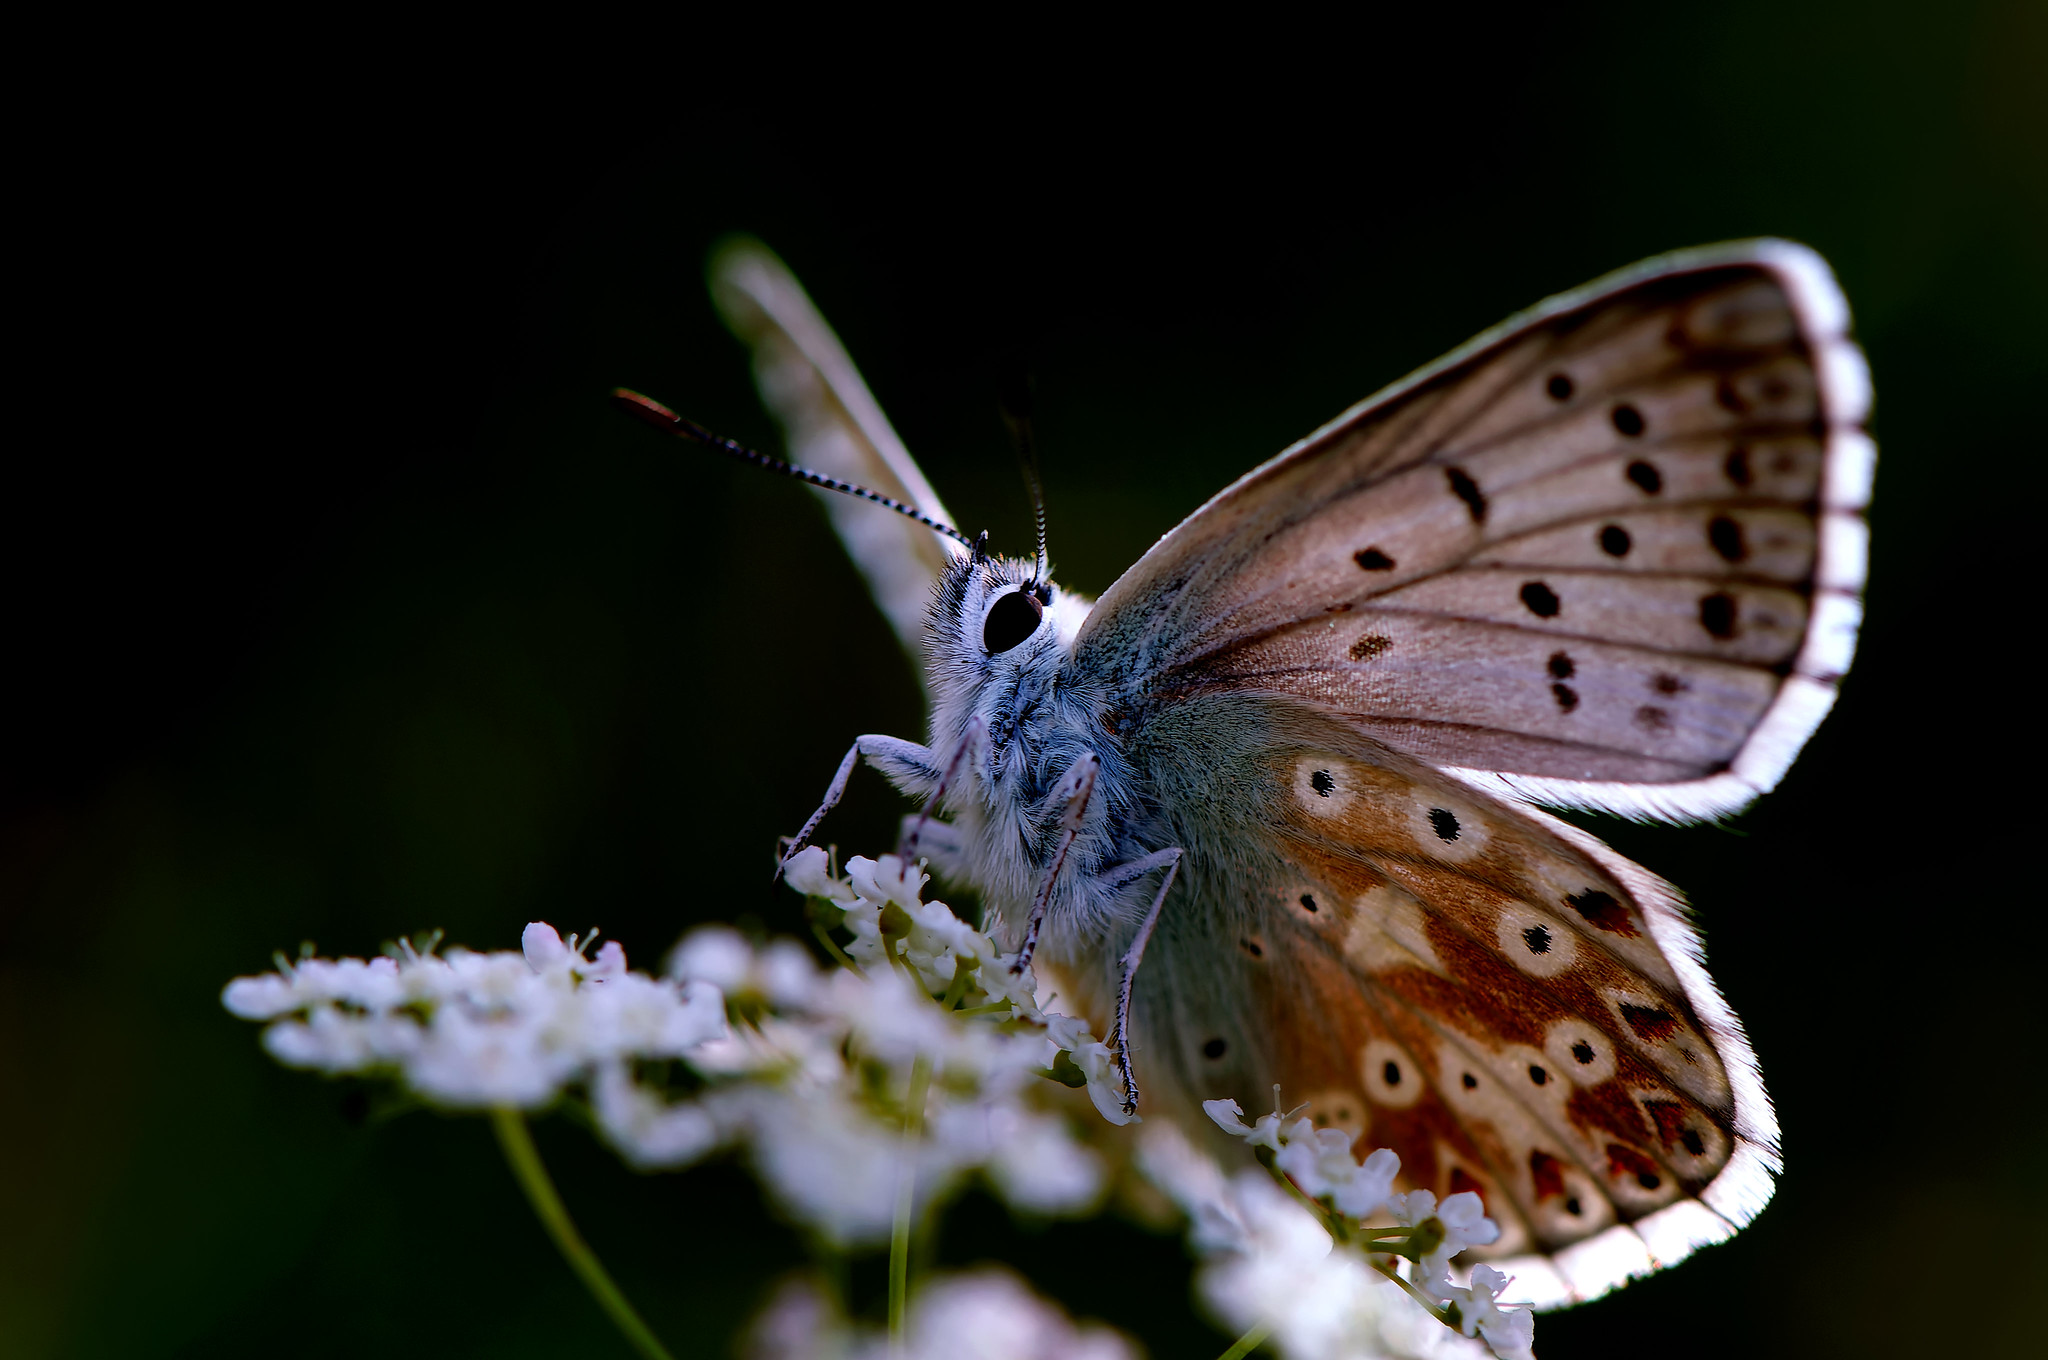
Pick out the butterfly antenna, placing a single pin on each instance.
(1017, 415)
(659, 416)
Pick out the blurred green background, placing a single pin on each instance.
(342, 607)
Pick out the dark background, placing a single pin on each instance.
(339, 606)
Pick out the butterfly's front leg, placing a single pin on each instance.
(1169, 860)
(907, 764)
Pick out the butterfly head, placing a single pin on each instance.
(998, 636)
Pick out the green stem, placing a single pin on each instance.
(906, 1194)
(1247, 1343)
(524, 1158)
(832, 948)
(1435, 1307)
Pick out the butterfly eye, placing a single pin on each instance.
(1014, 618)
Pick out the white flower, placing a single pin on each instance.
(780, 972)
(647, 1130)
(989, 1314)
(807, 873)
(1322, 1302)
(1465, 1224)
(1318, 1161)
(1031, 1157)
(1097, 1062)
(1508, 1334)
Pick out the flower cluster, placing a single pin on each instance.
(925, 1059)
(477, 1030)
(1293, 1251)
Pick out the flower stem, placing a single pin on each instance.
(1247, 1343)
(540, 1192)
(906, 1194)
(1434, 1307)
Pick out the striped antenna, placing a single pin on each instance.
(659, 416)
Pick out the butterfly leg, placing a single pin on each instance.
(975, 728)
(1074, 789)
(1169, 860)
(904, 762)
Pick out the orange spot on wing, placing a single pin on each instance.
(1547, 1172)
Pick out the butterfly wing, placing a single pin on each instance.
(1608, 554)
(832, 424)
(1492, 994)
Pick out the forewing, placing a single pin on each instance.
(1505, 1003)
(833, 425)
(1608, 554)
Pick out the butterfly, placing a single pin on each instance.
(1269, 810)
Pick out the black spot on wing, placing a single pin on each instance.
(1737, 465)
(1214, 1049)
(1646, 477)
(1567, 697)
(1614, 541)
(1321, 782)
(1561, 665)
(1717, 614)
(1372, 559)
(1726, 537)
(1559, 387)
(1445, 823)
(1467, 491)
(1370, 646)
(1541, 600)
(1628, 421)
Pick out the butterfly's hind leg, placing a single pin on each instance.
(1169, 860)
(909, 766)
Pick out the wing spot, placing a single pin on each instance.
(1567, 697)
(1308, 903)
(1614, 541)
(1582, 1051)
(1653, 719)
(1726, 537)
(1601, 910)
(1626, 1161)
(1652, 1024)
(1666, 683)
(1471, 1082)
(1717, 614)
(1370, 646)
(1559, 387)
(1571, 1206)
(1468, 491)
(1214, 1049)
(1321, 782)
(1628, 421)
(1693, 1142)
(1372, 559)
(1537, 1074)
(1561, 665)
(1737, 466)
(1538, 939)
(1392, 1073)
(1253, 948)
(1546, 1173)
(1646, 476)
(1541, 600)
(1445, 823)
